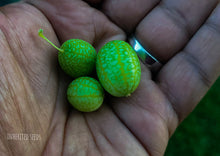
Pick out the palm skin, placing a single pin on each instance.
(33, 88)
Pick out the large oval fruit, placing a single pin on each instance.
(78, 58)
(118, 68)
(85, 94)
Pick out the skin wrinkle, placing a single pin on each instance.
(80, 137)
(147, 148)
(121, 119)
(95, 30)
(3, 138)
(213, 27)
(53, 118)
(160, 122)
(97, 38)
(48, 79)
(151, 109)
(126, 126)
(44, 151)
(100, 34)
(198, 69)
(110, 8)
(39, 84)
(15, 101)
(100, 132)
(153, 7)
(15, 37)
(92, 134)
(111, 144)
(6, 144)
(174, 9)
(178, 18)
(171, 125)
(134, 103)
(18, 45)
(33, 116)
(29, 100)
(170, 94)
(10, 87)
(171, 100)
(154, 113)
(130, 130)
(86, 35)
(77, 22)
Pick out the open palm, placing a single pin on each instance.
(184, 36)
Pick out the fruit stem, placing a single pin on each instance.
(128, 95)
(40, 33)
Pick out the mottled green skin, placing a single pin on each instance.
(85, 94)
(78, 58)
(118, 68)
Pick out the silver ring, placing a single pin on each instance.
(142, 53)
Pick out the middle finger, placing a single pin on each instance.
(170, 25)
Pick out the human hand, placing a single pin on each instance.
(33, 98)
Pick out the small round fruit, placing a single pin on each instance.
(76, 57)
(85, 94)
(118, 68)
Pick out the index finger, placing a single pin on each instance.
(128, 13)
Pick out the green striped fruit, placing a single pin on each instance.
(85, 94)
(118, 68)
(78, 58)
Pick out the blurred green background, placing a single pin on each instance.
(199, 133)
(3, 2)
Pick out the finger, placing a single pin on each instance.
(147, 114)
(170, 25)
(187, 76)
(76, 19)
(99, 133)
(127, 13)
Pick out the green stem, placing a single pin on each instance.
(40, 33)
